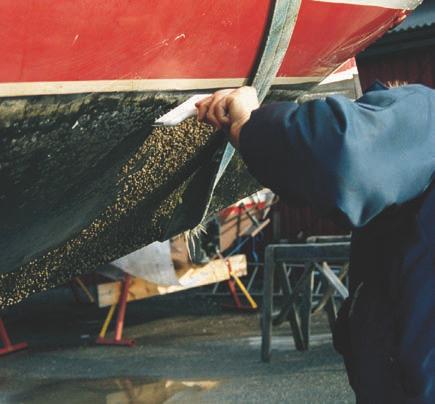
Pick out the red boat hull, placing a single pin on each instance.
(51, 47)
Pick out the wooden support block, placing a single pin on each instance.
(214, 271)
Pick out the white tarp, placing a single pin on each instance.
(152, 263)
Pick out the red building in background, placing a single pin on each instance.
(406, 53)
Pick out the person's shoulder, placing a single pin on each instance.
(412, 88)
(388, 96)
(380, 88)
(412, 94)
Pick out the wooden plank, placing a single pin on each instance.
(332, 279)
(214, 271)
(329, 291)
(259, 228)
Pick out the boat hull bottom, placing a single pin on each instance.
(87, 179)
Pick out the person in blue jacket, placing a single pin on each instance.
(368, 164)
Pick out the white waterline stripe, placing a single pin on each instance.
(282, 81)
(341, 76)
(108, 86)
(394, 4)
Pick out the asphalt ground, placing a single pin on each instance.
(188, 350)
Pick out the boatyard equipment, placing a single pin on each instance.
(232, 281)
(118, 340)
(8, 347)
(231, 285)
(297, 306)
(135, 288)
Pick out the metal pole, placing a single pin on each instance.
(4, 335)
(122, 308)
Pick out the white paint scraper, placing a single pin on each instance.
(181, 112)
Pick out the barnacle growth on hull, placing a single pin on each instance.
(134, 191)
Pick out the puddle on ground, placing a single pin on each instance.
(110, 391)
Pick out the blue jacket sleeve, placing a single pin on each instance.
(346, 159)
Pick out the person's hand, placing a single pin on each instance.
(229, 109)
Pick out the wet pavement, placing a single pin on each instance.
(187, 351)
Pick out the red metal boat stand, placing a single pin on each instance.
(232, 281)
(118, 340)
(8, 347)
(237, 303)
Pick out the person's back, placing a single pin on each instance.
(369, 165)
(386, 331)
